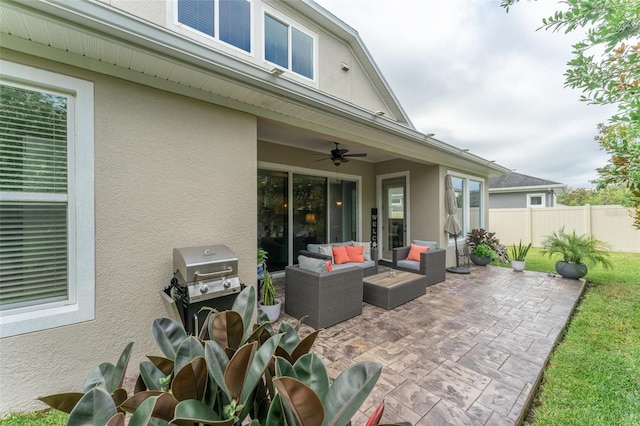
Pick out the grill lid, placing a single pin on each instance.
(204, 262)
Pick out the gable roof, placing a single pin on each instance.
(519, 182)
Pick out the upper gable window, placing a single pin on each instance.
(288, 46)
(225, 20)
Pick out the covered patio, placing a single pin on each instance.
(469, 352)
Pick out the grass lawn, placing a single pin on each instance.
(593, 377)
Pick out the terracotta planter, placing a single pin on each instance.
(272, 311)
(518, 265)
(480, 260)
(573, 271)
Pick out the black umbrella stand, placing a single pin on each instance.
(457, 269)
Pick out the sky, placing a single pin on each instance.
(484, 80)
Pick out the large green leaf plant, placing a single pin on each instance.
(231, 374)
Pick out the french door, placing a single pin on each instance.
(394, 201)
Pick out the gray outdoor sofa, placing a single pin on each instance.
(369, 267)
(432, 263)
(327, 297)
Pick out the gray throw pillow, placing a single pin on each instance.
(311, 264)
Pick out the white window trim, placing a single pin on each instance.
(536, 206)
(466, 226)
(81, 223)
(292, 24)
(194, 34)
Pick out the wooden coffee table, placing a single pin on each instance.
(388, 291)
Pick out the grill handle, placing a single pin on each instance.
(200, 276)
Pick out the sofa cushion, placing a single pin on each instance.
(329, 265)
(431, 244)
(326, 250)
(409, 264)
(367, 249)
(414, 252)
(312, 264)
(365, 265)
(340, 255)
(355, 253)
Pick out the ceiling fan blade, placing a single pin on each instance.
(325, 158)
(355, 155)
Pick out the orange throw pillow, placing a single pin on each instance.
(329, 266)
(355, 254)
(340, 255)
(414, 253)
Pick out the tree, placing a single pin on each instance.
(611, 77)
(607, 195)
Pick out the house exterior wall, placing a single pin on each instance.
(508, 200)
(169, 172)
(353, 85)
(513, 200)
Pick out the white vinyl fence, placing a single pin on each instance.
(611, 224)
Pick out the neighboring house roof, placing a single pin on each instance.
(517, 182)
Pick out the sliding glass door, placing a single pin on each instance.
(309, 212)
(295, 209)
(273, 222)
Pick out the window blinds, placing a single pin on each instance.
(33, 206)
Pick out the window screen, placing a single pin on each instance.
(235, 23)
(301, 53)
(197, 14)
(276, 42)
(33, 210)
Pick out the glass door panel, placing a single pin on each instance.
(309, 212)
(393, 215)
(475, 204)
(273, 224)
(342, 211)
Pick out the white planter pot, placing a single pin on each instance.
(518, 265)
(272, 311)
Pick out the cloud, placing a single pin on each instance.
(485, 80)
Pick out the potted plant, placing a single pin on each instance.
(575, 250)
(262, 258)
(479, 236)
(483, 254)
(269, 304)
(518, 255)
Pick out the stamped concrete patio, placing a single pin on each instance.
(469, 352)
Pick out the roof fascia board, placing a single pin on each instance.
(528, 188)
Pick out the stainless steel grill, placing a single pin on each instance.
(207, 272)
(204, 277)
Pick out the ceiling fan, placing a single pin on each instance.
(339, 156)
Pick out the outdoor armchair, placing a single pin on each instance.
(432, 263)
(327, 297)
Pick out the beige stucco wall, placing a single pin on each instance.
(354, 85)
(169, 172)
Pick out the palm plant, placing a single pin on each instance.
(577, 248)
